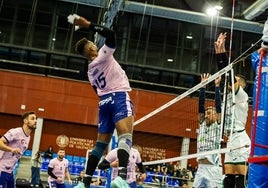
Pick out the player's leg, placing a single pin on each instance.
(215, 176)
(124, 130)
(229, 179)
(95, 156)
(240, 181)
(241, 155)
(124, 120)
(105, 131)
(240, 178)
(199, 180)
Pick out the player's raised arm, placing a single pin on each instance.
(202, 96)
(81, 22)
(218, 98)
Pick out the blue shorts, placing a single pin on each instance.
(112, 108)
(57, 185)
(7, 180)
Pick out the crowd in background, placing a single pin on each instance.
(173, 170)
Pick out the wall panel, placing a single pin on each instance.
(76, 103)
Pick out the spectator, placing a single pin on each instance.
(189, 167)
(49, 153)
(36, 163)
(177, 172)
(184, 174)
(185, 185)
(80, 178)
(170, 168)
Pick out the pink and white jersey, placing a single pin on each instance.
(59, 168)
(16, 138)
(134, 157)
(106, 74)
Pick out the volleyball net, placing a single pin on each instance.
(187, 107)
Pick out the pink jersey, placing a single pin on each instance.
(16, 138)
(59, 168)
(134, 158)
(106, 74)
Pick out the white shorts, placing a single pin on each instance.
(239, 144)
(208, 176)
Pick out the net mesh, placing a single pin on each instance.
(186, 105)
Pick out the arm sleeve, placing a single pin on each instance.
(217, 99)
(201, 104)
(49, 171)
(105, 32)
(104, 165)
(141, 167)
(222, 60)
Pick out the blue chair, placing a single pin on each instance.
(76, 159)
(44, 166)
(54, 155)
(74, 170)
(27, 153)
(69, 158)
(45, 159)
(149, 177)
(82, 159)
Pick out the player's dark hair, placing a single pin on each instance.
(242, 77)
(80, 45)
(26, 115)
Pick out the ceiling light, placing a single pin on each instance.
(212, 11)
(189, 37)
(218, 7)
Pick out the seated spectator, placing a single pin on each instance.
(170, 168)
(185, 185)
(80, 177)
(49, 153)
(97, 182)
(184, 174)
(189, 175)
(177, 172)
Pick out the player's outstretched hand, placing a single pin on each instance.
(220, 43)
(71, 19)
(78, 21)
(205, 76)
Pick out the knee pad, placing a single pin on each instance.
(229, 181)
(99, 149)
(125, 142)
(240, 181)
